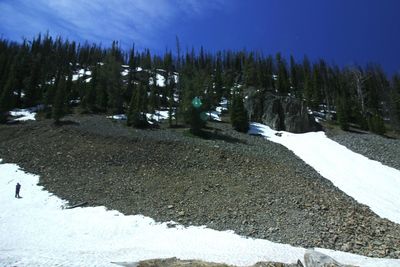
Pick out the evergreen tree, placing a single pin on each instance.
(59, 105)
(250, 71)
(282, 82)
(343, 105)
(133, 111)
(33, 91)
(136, 116)
(153, 99)
(239, 116)
(196, 121)
(6, 99)
(343, 113)
(294, 81)
(89, 99)
(101, 91)
(395, 103)
(376, 124)
(112, 77)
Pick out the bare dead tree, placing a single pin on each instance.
(359, 79)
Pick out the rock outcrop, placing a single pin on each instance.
(288, 114)
(314, 258)
(311, 259)
(174, 262)
(281, 113)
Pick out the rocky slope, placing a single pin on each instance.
(380, 148)
(229, 181)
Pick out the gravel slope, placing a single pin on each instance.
(233, 181)
(383, 149)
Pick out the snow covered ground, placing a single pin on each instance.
(36, 231)
(367, 181)
(214, 115)
(157, 116)
(25, 114)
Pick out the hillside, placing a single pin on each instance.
(229, 181)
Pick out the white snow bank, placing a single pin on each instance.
(81, 73)
(221, 109)
(36, 231)
(368, 181)
(214, 115)
(125, 72)
(25, 114)
(118, 117)
(160, 80)
(224, 102)
(159, 115)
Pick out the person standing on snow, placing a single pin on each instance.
(17, 189)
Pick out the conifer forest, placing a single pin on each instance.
(60, 75)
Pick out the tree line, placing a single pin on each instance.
(45, 71)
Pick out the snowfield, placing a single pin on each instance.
(367, 181)
(37, 230)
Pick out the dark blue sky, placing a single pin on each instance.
(340, 31)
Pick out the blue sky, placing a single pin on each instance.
(344, 32)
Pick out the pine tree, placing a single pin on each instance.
(376, 124)
(6, 96)
(250, 71)
(170, 89)
(101, 91)
(89, 99)
(343, 101)
(136, 115)
(59, 105)
(153, 99)
(294, 76)
(33, 92)
(239, 116)
(112, 76)
(282, 82)
(196, 122)
(133, 110)
(395, 103)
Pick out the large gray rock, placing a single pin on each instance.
(288, 114)
(280, 113)
(174, 262)
(314, 258)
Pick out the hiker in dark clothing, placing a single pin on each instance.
(17, 189)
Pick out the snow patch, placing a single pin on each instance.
(118, 117)
(160, 80)
(214, 115)
(36, 231)
(368, 181)
(26, 114)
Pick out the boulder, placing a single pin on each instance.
(281, 113)
(314, 258)
(174, 262)
(288, 114)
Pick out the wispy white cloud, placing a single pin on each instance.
(137, 21)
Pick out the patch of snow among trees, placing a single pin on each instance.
(25, 114)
